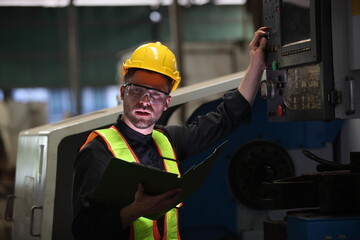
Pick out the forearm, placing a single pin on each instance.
(250, 83)
(210, 128)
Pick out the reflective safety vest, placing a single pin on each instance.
(144, 228)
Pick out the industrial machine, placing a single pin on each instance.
(311, 77)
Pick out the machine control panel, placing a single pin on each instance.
(295, 71)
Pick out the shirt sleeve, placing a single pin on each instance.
(210, 128)
(90, 220)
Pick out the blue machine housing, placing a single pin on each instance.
(211, 212)
(313, 228)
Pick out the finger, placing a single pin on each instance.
(255, 41)
(264, 28)
(171, 193)
(258, 40)
(141, 188)
(261, 32)
(263, 43)
(169, 197)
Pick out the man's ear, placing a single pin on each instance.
(167, 103)
(122, 92)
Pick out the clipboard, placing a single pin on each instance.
(120, 180)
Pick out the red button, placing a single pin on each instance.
(280, 110)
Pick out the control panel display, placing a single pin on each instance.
(295, 22)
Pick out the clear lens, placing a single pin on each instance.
(138, 92)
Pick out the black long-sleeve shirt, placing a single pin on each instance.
(94, 221)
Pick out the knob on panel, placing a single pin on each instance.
(267, 89)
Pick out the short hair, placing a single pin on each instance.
(131, 71)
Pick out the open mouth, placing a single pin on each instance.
(142, 113)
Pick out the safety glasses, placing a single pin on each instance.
(138, 92)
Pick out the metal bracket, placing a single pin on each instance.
(9, 207)
(33, 208)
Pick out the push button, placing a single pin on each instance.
(281, 110)
(274, 65)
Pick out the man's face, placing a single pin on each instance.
(143, 104)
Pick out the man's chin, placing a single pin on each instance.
(143, 124)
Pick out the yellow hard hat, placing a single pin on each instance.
(157, 58)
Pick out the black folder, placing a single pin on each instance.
(120, 181)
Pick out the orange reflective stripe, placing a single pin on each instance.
(156, 233)
(170, 225)
(171, 228)
(89, 138)
(164, 144)
(132, 237)
(118, 148)
(165, 149)
(117, 144)
(108, 144)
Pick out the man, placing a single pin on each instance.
(150, 75)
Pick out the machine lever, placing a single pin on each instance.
(9, 207)
(33, 208)
(337, 166)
